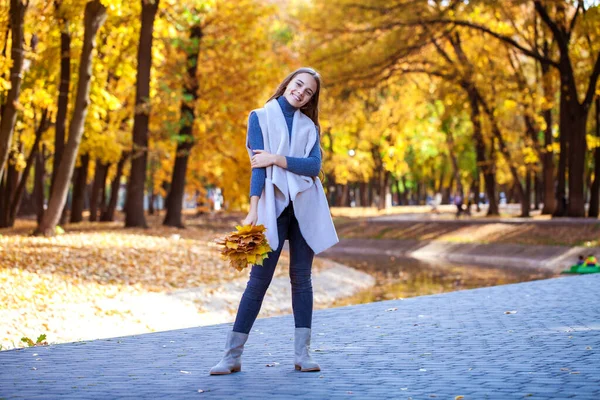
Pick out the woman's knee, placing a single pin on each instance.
(301, 281)
(256, 287)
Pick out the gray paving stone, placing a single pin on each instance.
(459, 343)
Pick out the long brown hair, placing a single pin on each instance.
(310, 109)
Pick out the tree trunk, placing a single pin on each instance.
(95, 15)
(4, 199)
(9, 187)
(487, 167)
(561, 177)
(63, 96)
(440, 184)
(79, 189)
(109, 213)
(404, 194)
(578, 149)
(455, 168)
(477, 188)
(38, 183)
(510, 194)
(573, 114)
(134, 204)
(17, 196)
(97, 198)
(526, 199)
(595, 187)
(151, 200)
(177, 189)
(394, 190)
(344, 195)
(186, 141)
(384, 187)
(537, 191)
(532, 133)
(550, 196)
(507, 156)
(9, 108)
(364, 196)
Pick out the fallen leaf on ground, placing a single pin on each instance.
(44, 278)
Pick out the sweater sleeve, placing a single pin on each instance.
(309, 166)
(255, 141)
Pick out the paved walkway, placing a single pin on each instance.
(534, 340)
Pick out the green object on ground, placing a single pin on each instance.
(582, 269)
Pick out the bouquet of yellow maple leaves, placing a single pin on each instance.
(245, 246)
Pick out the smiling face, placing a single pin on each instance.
(300, 90)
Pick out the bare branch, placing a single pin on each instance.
(443, 52)
(573, 21)
(397, 24)
(589, 96)
(382, 10)
(558, 35)
(504, 38)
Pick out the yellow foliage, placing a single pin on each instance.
(246, 246)
(592, 142)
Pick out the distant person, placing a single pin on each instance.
(436, 202)
(591, 261)
(458, 202)
(580, 261)
(291, 159)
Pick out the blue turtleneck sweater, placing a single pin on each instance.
(309, 166)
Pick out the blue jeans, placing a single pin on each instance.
(301, 258)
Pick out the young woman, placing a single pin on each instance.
(287, 197)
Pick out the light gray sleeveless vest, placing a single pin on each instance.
(282, 186)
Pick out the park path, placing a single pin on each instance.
(533, 340)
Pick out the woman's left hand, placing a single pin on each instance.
(262, 159)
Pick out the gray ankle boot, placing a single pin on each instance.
(302, 359)
(232, 359)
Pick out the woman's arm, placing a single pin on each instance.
(255, 142)
(309, 166)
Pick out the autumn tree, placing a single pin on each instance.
(94, 17)
(134, 205)
(8, 108)
(63, 88)
(563, 20)
(185, 140)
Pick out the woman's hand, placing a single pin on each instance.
(262, 159)
(250, 218)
